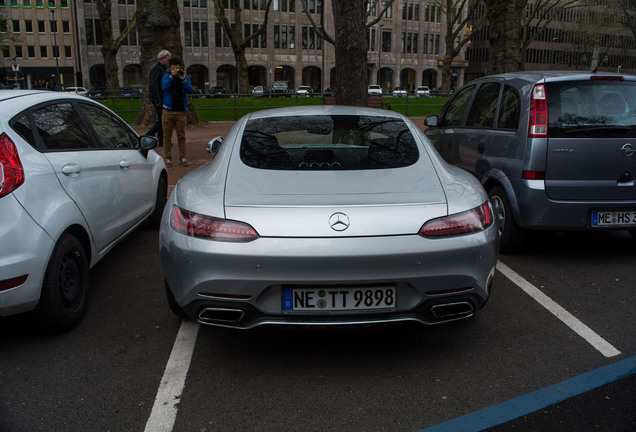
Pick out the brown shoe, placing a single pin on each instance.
(185, 162)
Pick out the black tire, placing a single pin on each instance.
(172, 302)
(511, 235)
(64, 295)
(154, 221)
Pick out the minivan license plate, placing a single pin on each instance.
(614, 218)
(377, 299)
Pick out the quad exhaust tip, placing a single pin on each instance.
(452, 310)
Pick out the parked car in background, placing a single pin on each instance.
(304, 91)
(374, 90)
(323, 215)
(422, 91)
(131, 92)
(399, 92)
(98, 93)
(329, 91)
(554, 150)
(77, 90)
(282, 88)
(218, 92)
(74, 180)
(262, 91)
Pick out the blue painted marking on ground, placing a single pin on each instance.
(515, 408)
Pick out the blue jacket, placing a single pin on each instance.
(166, 86)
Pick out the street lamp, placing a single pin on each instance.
(57, 66)
(380, 57)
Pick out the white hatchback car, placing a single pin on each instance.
(74, 180)
(374, 90)
(422, 91)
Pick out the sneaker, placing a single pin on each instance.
(168, 162)
(184, 162)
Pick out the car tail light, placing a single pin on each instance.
(538, 113)
(469, 221)
(533, 175)
(11, 171)
(607, 78)
(196, 225)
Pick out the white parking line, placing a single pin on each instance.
(164, 411)
(568, 319)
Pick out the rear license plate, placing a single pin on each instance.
(625, 218)
(321, 300)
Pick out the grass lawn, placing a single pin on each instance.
(233, 108)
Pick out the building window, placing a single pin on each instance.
(386, 41)
(18, 50)
(16, 26)
(88, 25)
(276, 36)
(53, 26)
(204, 34)
(28, 26)
(44, 52)
(68, 53)
(187, 33)
(41, 27)
(292, 37)
(66, 27)
(31, 51)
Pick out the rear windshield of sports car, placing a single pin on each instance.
(599, 108)
(328, 142)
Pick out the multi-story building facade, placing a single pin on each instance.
(581, 37)
(62, 38)
(404, 47)
(41, 39)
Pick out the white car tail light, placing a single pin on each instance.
(11, 171)
(538, 122)
(196, 225)
(466, 222)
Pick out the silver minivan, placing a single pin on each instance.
(554, 150)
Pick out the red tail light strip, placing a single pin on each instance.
(196, 225)
(470, 221)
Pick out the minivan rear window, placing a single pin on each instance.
(328, 142)
(598, 108)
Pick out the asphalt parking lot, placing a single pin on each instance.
(554, 349)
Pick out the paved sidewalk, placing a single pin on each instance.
(197, 138)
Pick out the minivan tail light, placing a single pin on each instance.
(211, 228)
(11, 171)
(538, 122)
(477, 219)
(533, 175)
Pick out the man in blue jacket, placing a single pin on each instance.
(176, 86)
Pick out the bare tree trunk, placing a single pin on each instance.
(158, 25)
(506, 35)
(351, 52)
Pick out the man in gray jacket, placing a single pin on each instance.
(155, 94)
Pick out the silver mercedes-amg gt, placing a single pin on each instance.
(327, 216)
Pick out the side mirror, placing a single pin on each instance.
(147, 143)
(214, 145)
(431, 121)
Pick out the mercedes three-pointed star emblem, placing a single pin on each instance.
(339, 221)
